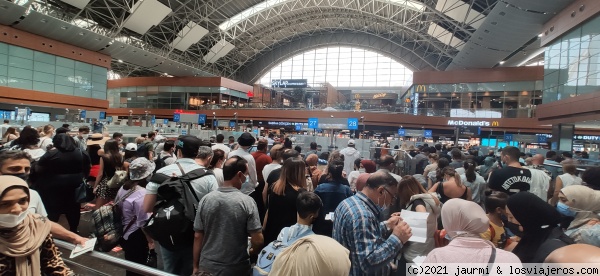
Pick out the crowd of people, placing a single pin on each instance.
(263, 206)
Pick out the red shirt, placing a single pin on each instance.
(261, 159)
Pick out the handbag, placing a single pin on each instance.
(84, 193)
(152, 259)
(117, 180)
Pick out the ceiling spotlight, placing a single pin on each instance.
(540, 35)
(120, 60)
(165, 74)
(501, 62)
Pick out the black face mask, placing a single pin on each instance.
(24, 176)
(514, 228)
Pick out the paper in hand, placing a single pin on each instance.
(418, 224)
(79, 250)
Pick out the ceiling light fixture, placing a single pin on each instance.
(501, 62)
(540, 35)
(120, 60)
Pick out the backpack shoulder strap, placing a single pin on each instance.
(159, 178)
(165, 158)
(119, 200)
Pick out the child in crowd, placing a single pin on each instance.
(495, 205)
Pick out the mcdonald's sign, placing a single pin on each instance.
(495, 123)
(421, 88)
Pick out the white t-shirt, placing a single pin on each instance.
(35, 154)
(352, 177)
(268, 169)
(226, 149)
(44, 143)
(219, 176)
(568, 179)
(35, 204)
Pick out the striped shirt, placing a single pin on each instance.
(358, 227)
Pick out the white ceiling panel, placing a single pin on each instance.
(9, 12)
(443, 35)
(460, 11)
(145, 14)
(80, 4)
(218, 51)
(190, 34)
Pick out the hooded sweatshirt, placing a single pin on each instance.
(413, 249)
(350, 154)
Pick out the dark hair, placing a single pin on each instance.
(442, 163)
(9, 130)
(271, 135)
(381, 178)
(112, 154)
(87, 128)
(151, 134)
(298, 149)
(220, 138)
(591, 177)
(308, 203)
(144, 135)
(116, 135)
(287, 144)
(357, 162)
(434, 156)
(335, 169)
(234, 165)
(408, 187)
(512, 153)
(218, 155)
(169, 144)
(438, 147)
(231, 138)
(6, 121)
(567, 154)
(313, 145)
(551, 154)
(28, 137)
(495, 200)
(386, 160)
(469, 166)
(293, 172)
(13, 155)
(287, 154)
(130, 154)
(456, 154)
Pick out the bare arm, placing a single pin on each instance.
(421, 208)
(469, 194)
(434, 188)
(100, 170)
(256, 241)
(149, 201)
(198, 240)
(558, 186)
(60, 232)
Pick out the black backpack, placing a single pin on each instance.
(420, 168)
(160, 163)
(142, 149)
(171, 224)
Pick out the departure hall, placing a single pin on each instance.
(385, 76)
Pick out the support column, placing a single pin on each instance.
(562, 137)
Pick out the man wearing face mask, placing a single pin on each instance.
(512, 178)
(18, 163)
(224, 220)
(245, 142)
(357, 225)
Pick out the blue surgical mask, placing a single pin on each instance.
(565, 210)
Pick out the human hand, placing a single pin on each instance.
(402, 231)
(392, 222)
(79, 240)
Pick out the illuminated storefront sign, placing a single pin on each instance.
(473, 123)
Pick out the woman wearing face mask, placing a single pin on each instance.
(464, 222)
(216, 165)
(583, 204)
(538, 221)
(281, 203)
(46, 139)
(26, 246)
(58, 174)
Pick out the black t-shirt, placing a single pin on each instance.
(510, 180)
(416, 203)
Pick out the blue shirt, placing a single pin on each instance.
(357, 227)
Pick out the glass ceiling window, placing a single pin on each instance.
(342, 67)
(268, 4)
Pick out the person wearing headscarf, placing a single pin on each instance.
(464, 221)
(131, 196)
(312, 255)
(539, 222)
(26, 246)
(58, 173)
(312, 161)
(582, 203)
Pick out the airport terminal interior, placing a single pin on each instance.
(388, 77)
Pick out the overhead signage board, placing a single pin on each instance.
(414, 132)
(333, 123)
(176, 117)
(428, 133)
(473, 123)
(313, 123)
(101, 115)
(298, 127)
(201, 119)
(165, 121)
(223, 123)
(352, 123)
(231, 123)
(289, 83)
(83, 114)
(508, 137)
(188, 118)
(401, 132)
(153, 120)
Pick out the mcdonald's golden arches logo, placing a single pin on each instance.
(421, 88)
(495, 123)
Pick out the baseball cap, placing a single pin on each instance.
(246, 139)
(131, 147)
(351, 142)
(141, 168)
(189, 144)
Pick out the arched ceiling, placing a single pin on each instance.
(422, 34)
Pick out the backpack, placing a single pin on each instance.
(171, 224)
(108, 224)
(160, 163)
(142, 149)
(420, 168)
(267, 255)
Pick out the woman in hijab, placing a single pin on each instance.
(464, 222)
(313, 255)
(58, 173)
(539, 222)
(26, 246)
(582, 203)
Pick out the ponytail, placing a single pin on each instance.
(470, 170)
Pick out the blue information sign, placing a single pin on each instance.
(298, 127)
(153, 120)
(542, 139)
(428, 133)
(184, 132)
(176, 117)
(352, 123)
(401, 132)
(216, 123)
(102, 115)
(83, 113)
(508, 137)
(313, 122)
(201, 119)
(231, 123)
(165, 121)
(110, 119)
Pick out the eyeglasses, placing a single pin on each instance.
(394, 198)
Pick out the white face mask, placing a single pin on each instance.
(11, 221)
(361, 170)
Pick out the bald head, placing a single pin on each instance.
(538, 159)
(575, 253)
